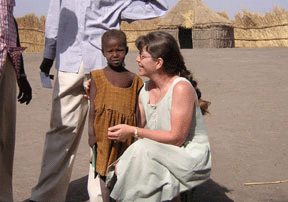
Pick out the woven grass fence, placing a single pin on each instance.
(32, 34)
(261, 37)
(138, 28)
(254, 30)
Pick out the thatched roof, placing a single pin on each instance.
(191, 13)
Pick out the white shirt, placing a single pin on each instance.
(74, 28)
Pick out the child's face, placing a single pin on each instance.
(114, 51)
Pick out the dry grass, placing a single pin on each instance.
(31, 31)
(224, 14)
(254, 30)
(135, 29)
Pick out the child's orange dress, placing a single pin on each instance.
(113, 105)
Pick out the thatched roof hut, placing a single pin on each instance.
(191, 22)
(197, 26)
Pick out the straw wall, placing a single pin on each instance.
(135, 29)
(253, 30)
(263, 37)
(31, 31)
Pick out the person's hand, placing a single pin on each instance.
(25, 91)
(87, 89)
(120, 132)
(46, 66)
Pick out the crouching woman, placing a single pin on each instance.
(172, 154)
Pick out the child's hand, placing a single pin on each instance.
(120, 132)
(87, 89)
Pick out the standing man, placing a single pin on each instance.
(11, 70)
(73, 38)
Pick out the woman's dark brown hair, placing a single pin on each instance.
(163, 45)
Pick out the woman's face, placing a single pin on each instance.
(147, 65)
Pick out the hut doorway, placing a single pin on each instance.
(185, 38)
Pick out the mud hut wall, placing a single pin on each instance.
(213, 37)
(173, 31)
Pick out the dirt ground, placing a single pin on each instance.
(248, 126)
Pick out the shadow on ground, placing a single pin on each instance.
(210, 191)
(77, 191)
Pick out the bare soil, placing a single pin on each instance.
(247, 124)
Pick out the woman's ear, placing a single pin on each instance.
(159, 63)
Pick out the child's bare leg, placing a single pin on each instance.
(105, 191)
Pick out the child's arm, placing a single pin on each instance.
(91, 130)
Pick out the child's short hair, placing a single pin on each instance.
(114, 33)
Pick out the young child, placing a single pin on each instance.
(113, 95)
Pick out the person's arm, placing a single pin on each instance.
(139, 10)
(181, 118)
(18, 44)
(51, 32)
(141, 119)
(25, 90)
(91, 130)
(51, 28)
